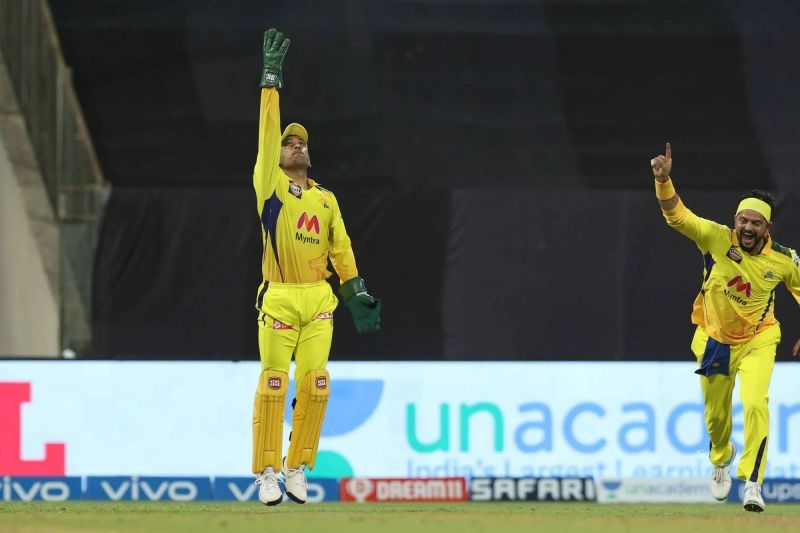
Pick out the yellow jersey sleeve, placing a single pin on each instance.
(341, 251)
(267, 171)
(702, 231)
(792, 279)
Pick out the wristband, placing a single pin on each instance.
(665, 190)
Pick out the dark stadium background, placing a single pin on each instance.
(491, 160)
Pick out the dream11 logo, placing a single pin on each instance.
(12, 396)
(352, 402)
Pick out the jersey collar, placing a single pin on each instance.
(310, 183)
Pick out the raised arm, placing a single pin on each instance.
(677, 215)
(266, 173)
(665, 192)
(792, 282)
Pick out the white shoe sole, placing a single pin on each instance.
(294, 498)
(273, 502)
(753, 507)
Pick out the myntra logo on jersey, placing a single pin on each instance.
(403, 490)
(741, 285)
(309, 223)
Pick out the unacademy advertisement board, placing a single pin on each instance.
(607, 420)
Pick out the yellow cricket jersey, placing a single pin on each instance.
(300, 228)
(737, 299)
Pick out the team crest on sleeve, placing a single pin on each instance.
(734, 255)
(295, 190)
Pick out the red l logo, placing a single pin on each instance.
(309, 223)
(740, 285)
(12, 396)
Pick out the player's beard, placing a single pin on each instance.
(753, 243)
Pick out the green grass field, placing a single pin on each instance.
(391, 518)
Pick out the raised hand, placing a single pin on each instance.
(275, 46)
(662, 165)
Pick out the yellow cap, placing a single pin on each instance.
(295, 129)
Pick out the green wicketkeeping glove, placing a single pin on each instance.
(365, 309)
(275, 46)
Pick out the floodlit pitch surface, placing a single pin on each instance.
(390, 518)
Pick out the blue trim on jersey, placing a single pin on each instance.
(709, 264)
(269, 221)
(261, 294)
(759, 457)
(766, 309)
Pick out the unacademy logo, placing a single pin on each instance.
(352, 402)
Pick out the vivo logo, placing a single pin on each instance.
(242, 494)
(243, 489)
(44, 489)
(148, 488)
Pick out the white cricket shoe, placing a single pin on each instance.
(269, 493)
(752, 500)
(721, 477)
(296, 484)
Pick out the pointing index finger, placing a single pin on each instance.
(669, 151)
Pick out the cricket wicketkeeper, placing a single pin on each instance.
(302, 227)
(737, 332)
